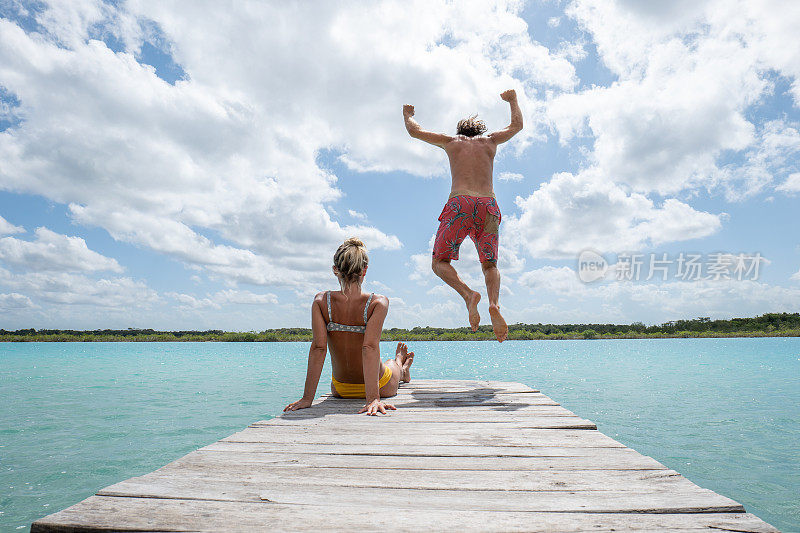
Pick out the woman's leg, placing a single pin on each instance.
(400, 367)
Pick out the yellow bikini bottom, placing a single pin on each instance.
(356, 390)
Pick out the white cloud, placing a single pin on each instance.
(795, 276)
(510, 176)
(245, 297)
(64, 288)
(222, 298)
(791, 185)
(573, 212)
(562, 280)
(15, 301)
(52, 251)
(686, 77)
(356, 214)
(187, 301)
(7, 228)
(379, 287)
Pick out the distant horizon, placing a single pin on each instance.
(786, 321)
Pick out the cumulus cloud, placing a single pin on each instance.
(573, 212)
(65, 288)
(510, 176)
(7, 228)
(51, 251)
(791, 185)
(15, 301)
(356, 214)
(222, 298)
(686, 76)
(562, 280)
(245, 297)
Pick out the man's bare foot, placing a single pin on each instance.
(404, 359)
(498, 323)
(472, 308)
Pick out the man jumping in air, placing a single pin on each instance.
(471, 209)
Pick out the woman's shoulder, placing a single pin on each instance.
(380, 299)
(320, 297)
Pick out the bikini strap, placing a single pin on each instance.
(367, 306)
(330, 316)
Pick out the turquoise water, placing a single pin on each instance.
(77, 417)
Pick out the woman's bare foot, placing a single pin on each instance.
(407, 368)
(498, 323)
(472, 308)
(404, 358)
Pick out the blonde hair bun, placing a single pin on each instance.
(351, 259)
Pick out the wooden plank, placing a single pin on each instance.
(687, 500)
(589, 459)
(421, 413)
(534, 405)
(460, 384)
(547, 422)
(438, 397)
(517, 437)
(143, 514)
(475, 449)
(206, 467)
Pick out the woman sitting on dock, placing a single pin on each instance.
(350, 322)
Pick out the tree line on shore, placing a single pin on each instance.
(767, 325)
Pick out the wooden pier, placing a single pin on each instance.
(455, 456)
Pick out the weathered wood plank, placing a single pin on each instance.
(143, 514)
(201, 467)
(506, 436)
(419, 450)
(518, 410)
(687, 500)
(589, 459)
(548, 422)
(423, 398)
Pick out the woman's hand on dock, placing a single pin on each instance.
(299, 404)
(376, 406)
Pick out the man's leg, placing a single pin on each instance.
(443, 269)
(492, 277)
(488, 249)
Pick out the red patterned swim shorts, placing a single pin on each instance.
(476, 216)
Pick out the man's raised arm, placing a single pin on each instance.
(503, 135)
(414, 129)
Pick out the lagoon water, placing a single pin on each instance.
(76, 417)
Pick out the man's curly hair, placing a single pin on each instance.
(471, 126)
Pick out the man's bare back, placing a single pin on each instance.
(471, 164)
(471, 157)
(471, 209)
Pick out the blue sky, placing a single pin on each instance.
(195, 166)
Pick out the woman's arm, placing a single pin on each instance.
(371, 358)
(316, 356)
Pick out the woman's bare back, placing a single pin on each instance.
(344, 346)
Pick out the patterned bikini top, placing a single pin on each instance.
(333, 326)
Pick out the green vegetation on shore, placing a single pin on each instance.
(767, 325)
